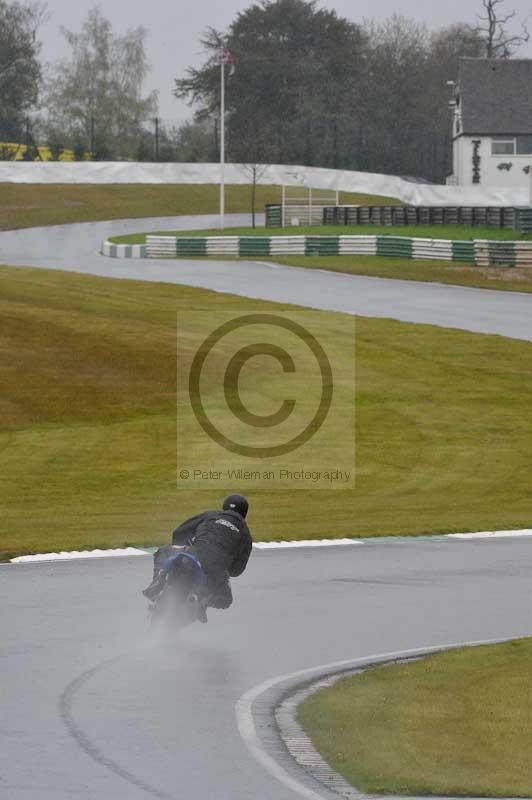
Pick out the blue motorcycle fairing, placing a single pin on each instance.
(200, 579)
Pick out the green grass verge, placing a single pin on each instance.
(511, 279)
(29, 205)
(455, 232)
(88, 376)
(452, 273)
(454, 724)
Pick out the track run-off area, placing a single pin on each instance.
(75, 248)
(93, 705)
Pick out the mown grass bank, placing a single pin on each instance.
(455, 724)
(29, 205)
(87, 442)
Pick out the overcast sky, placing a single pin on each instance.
(175, 28)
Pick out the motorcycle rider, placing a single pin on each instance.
(222, 543)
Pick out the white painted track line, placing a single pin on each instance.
(283, 545)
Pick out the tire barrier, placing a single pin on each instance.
(518, 219)
(124, 250)
(503, 254)
(482, 253)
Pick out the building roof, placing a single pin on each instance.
(495, 96)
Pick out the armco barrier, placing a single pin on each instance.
(479, 252)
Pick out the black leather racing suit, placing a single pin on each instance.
(222, 542)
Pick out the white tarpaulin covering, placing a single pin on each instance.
(315, 177)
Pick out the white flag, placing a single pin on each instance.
(228, 58)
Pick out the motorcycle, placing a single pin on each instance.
(183, 582)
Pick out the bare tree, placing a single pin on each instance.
(254, 172)
(493, 27)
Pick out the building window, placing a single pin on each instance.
(524, 145)
(511, 146)
(503, 147)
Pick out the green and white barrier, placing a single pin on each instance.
(294, 246)
(264, 246)
(479, 252)
(358, 245)
(503, 254)
(124, 250)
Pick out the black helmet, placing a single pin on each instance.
(236, 502)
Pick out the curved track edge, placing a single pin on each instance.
(275, 545)
(266, 718)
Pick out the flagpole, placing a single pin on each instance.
(222, 144)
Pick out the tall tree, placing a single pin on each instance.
(97, 93)
(197, 141)
(316, 89)
(296, 67)
(394, 106)
(20, 69)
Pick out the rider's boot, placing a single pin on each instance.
(202, 610)
(156, 585)
(198, 608)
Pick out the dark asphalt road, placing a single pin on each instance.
(75, 248)
(92, 707)
(157, 717)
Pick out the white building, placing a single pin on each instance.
(492, 123)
